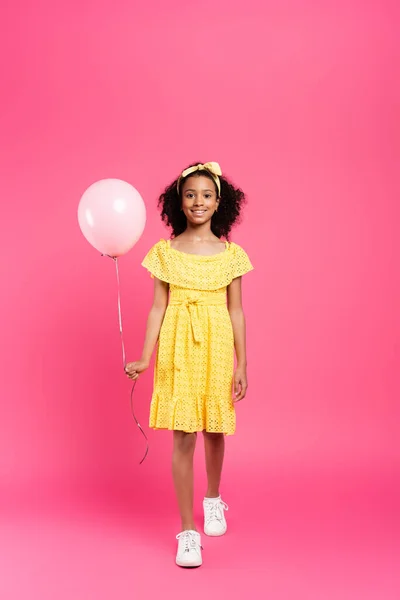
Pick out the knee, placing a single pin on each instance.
(184, 442)
(213, 438)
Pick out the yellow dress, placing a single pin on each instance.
(195, 354)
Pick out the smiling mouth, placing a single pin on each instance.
(198, 212)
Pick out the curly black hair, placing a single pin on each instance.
(231, 202)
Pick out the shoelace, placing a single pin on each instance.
(214, 510)
(190, 540)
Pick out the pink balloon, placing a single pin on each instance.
(112, 216)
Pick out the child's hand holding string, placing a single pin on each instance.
(134, 369)
(240, 384)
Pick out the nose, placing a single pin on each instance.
(198, 201)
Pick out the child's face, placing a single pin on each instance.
(199, 199)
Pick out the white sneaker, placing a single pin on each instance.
(214, 518)
(189, 549)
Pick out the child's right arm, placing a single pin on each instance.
(154, 322)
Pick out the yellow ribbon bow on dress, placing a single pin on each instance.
(212, 167)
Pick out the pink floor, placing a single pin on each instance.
(307, 536)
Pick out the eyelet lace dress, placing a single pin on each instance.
(195, 354)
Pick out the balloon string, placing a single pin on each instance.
(138, 424)
(121, 332)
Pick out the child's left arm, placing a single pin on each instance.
(239, 332)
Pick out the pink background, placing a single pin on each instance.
(299, 102)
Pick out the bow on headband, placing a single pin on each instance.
(212, 167)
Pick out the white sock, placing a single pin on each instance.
(213, 499)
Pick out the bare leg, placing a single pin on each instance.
(182, 471)
(214, 445)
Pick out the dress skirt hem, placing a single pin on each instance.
(187, 431)
(172, 416)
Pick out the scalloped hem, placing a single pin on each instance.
(205, 414)
(155, 428)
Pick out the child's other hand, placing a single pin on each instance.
(240, 384)
(134, 369)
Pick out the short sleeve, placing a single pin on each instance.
(156, 261)
(241, 262)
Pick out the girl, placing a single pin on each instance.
(197, 320)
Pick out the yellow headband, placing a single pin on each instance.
(212, 167)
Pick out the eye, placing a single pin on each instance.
(189, 195)
(207, 195)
